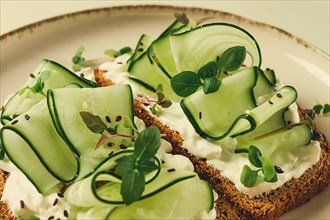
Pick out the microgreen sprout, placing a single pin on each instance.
(208, 76)
(39, 84)
(321, 109)
(251, 177)
(133, 167)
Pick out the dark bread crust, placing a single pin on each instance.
(5, 212)
(232, 204)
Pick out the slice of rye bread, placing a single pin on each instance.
(231, 204)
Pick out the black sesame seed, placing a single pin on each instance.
(110, 144)
(122, 146)
(288, 122)
(163, 161)
(82, 75)
(14, 122)
(171, 170)
(58, 219)
(108, 119)
(32, 76)
(27, 117)
(119, 62)
(60, 195)
(278, 169)
(267, 68)
(118, 118)
(140, 49)
(65, 213)
(270, 102)
(51, 217)
(22, 204)
(141, 43)
(200, 115)
(279, 95)
(226, 73)
(55, 202)
(217, 58)
(110, 153)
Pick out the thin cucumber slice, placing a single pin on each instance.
(110, 193)
(111, 104)
(141, 47)
(263, 89)
(160, 49)
(234, 111)
(284, 139)
(34, 146)
(193, 49)
(81, 193)
(147, 71)
(211, 115)
(185, 200)
(23, 101)
(270, 74)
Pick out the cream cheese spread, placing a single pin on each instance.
(220, 154)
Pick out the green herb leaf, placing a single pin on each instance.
(93, 122)
(211, 85)
(208, 70)
(326, 109)
(125, 164)
(185, 83)
(147, 143)
(132, 186)
(39, 85)
(146, 166)
(254, 155)
(124, 50)
(110, 52)
(165, 103)
(268, 169)
(232, 59)
(77, 60)
(318, 108)
(248, 176)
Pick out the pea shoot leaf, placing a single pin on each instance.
(133, 167)
(268, 170)
(209, 70)
(248, 176)
(147, 143)
(93, 122)
(232, 59)
(185, 83)
(254, 155)
(211, 85)
(132, 187)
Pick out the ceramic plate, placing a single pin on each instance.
(295, 62)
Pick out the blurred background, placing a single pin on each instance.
(307, 19)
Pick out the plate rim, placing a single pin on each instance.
(164, 8)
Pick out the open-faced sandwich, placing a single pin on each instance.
(186, 126)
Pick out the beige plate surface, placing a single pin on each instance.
(296, 62)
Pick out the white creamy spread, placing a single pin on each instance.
(221, 154)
